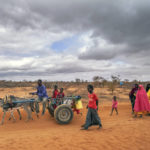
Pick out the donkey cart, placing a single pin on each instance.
(61, 108)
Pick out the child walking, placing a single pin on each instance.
(114, 105)
(77, 106)
(92, 117)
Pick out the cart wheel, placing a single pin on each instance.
(51, 110)
(63, 114)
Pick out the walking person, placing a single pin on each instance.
(141, 103)
(114, 105)
(132, 95)
(92, 117)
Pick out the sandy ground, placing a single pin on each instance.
(120, 132)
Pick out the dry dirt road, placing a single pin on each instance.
(120, 132)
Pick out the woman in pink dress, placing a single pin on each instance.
(141, 103)
(114, 105)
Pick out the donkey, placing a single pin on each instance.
(9, 103)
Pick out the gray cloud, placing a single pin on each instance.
(124, 25)
(118, 21)
(29, 71)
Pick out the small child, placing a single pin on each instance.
(60, 96)
(54, 96)
(114, 105)
(77, 106)
(61, 93)
(92, 117)
(55, 92)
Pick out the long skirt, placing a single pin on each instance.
(92, 118)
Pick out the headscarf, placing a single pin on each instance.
(141, 102)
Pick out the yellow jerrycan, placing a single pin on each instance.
(78, 104)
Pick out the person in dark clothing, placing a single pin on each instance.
(147, 88)
(132, 96)
(92, 117)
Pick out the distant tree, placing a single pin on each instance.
(115, 80)
(112, 87)
(135, 81)
(126, 80)
(77, 80)
(96, 80)
(103, 81)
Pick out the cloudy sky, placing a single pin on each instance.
(68, 39)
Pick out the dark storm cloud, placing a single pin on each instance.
(118, 22)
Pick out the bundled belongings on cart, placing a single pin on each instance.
(10, 103)
(62, 108)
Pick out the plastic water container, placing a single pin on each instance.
(78, 104)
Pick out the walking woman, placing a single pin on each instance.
(141, 103)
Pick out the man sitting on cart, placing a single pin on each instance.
(42, 97)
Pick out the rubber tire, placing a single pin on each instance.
(57, 114)
(51, 110)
